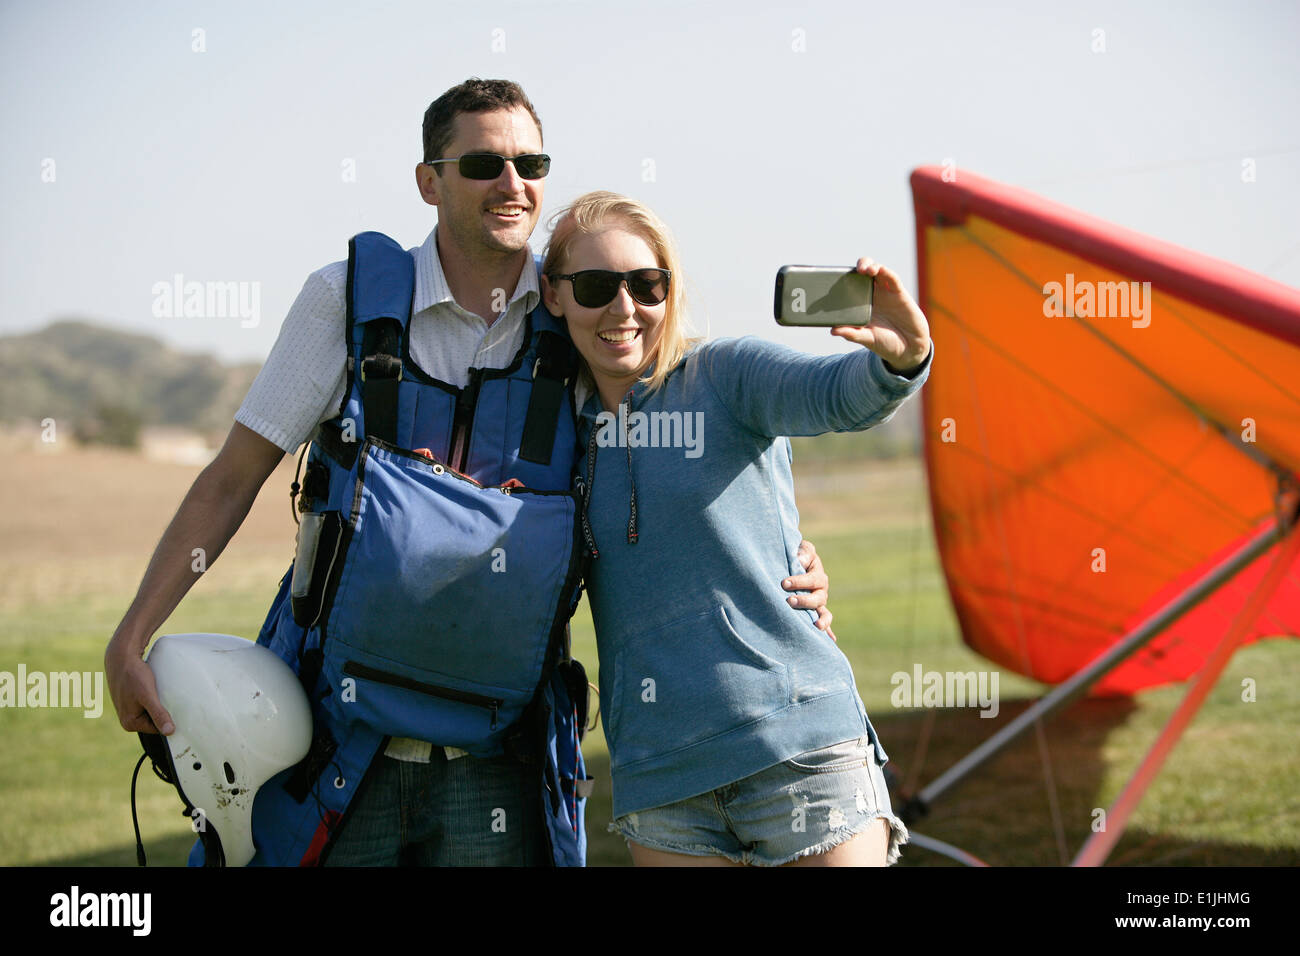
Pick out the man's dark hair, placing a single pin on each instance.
(472, 96)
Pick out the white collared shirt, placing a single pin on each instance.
(302, 382)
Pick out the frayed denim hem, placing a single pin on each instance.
(898, 836)
(691, 849)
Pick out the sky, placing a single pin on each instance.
(246, 142)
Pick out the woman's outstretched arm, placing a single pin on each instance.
(772, 390)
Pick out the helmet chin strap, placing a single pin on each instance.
(135, 821)
(160, 758)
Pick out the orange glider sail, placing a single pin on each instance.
(1108, 416)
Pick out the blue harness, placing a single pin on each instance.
(439, 562)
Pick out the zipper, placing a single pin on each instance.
(491, 704)
(463, 424)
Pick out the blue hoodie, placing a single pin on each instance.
(707, 674)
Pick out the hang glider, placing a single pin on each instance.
(1112, 439)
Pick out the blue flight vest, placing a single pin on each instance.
(439, 563)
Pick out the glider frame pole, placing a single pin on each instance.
(1066, 692)
(1098, 846)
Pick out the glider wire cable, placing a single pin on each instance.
(920, 749)
(1009, 569)
(1255, 454)
(1157, 555)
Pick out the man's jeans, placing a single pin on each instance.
(462, 812)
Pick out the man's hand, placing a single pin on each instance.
(212, 511)
(899, 332)
(815, 583)
(134, 693)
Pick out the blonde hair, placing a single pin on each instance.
(592, 213)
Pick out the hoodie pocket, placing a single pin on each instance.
(681, 683)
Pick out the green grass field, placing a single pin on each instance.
(1229, 793)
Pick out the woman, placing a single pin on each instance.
(735, 732)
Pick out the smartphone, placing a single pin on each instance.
(821, 296)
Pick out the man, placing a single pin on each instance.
(475, 286)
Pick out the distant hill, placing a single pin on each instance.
(72, 368)
(71, 371)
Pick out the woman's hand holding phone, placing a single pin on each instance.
(899, 332)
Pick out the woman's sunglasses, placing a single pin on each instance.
(593, 288)
(490, 165)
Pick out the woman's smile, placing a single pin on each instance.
(618, 339)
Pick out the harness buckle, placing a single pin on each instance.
(537, 367)
(382, 367)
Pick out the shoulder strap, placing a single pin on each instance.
(553, 369)
(555, 365)
(381, 287)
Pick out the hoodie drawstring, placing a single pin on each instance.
(631, 500)
(632, 534)
(586, 495)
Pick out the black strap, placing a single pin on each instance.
(316, 485)
(323, 745)
(381, 287)
(555, 365)
(331, 440)
(307, 771)
(135, 821)
(381, 371)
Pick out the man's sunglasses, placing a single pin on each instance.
(594, 288)
(490, 165)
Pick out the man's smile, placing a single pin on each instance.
(509, 211)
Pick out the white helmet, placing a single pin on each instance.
(241, 717)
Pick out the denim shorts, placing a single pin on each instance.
(805, 805)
